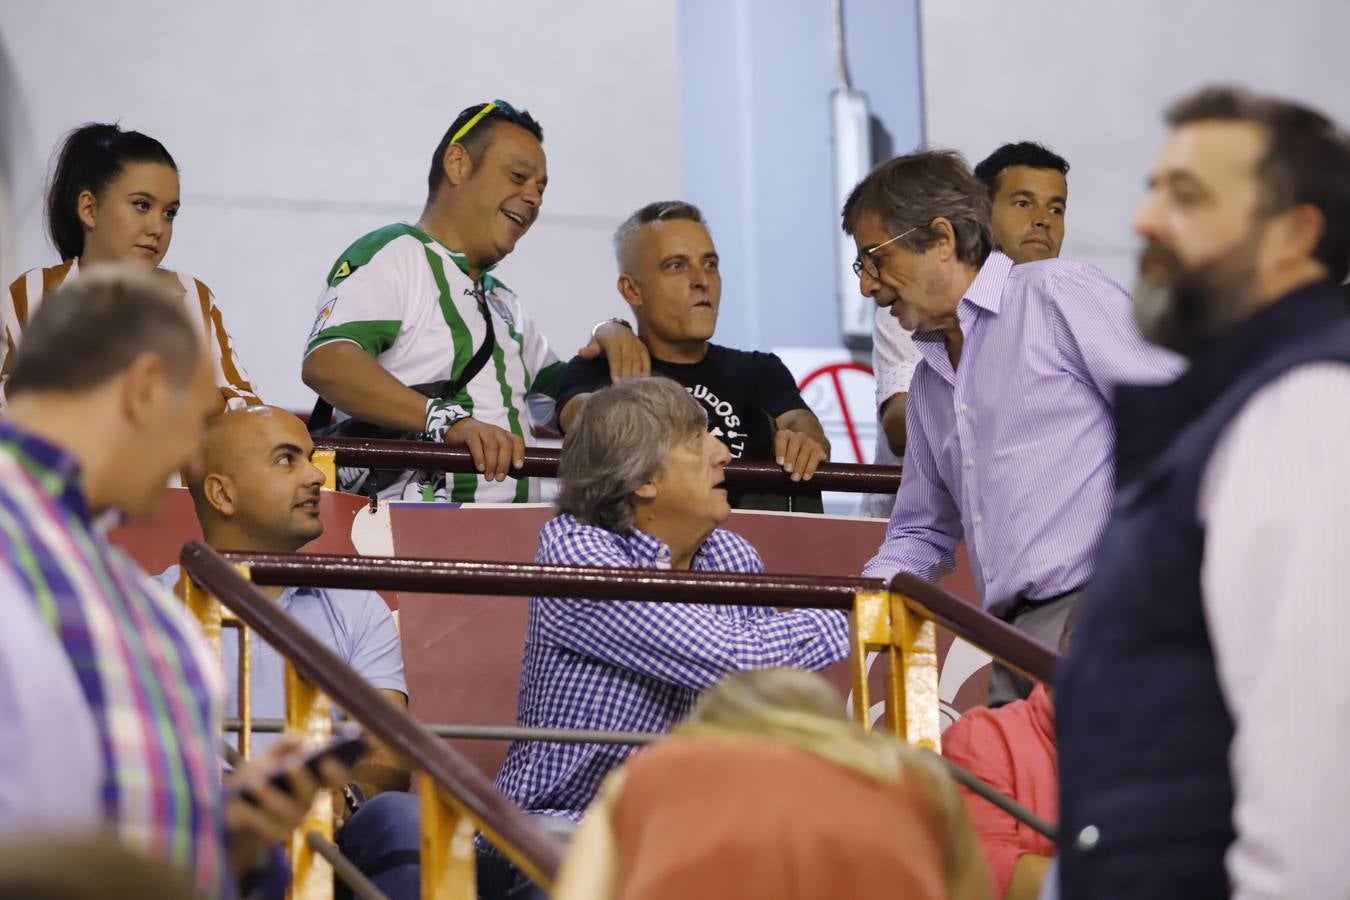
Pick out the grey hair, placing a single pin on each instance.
(618, 443)
(660, 211)
(911, 191)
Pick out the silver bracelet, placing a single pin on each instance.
(616, 320)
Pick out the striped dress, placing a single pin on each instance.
(153, 686)
(27, 291)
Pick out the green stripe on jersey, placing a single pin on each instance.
(548, 380)
(464, 485)
(375, 337)
(512, 414)
(365, 248)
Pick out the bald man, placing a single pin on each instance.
(258, 490)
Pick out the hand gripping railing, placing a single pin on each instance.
(899, 621)
(747, 474)
(457, 799)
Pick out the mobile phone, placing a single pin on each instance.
(348, 745)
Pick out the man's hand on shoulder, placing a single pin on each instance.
(627, 355)
(495, 451)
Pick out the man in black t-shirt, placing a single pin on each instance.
(669, 276)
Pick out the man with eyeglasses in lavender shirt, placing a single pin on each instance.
(1011, 443)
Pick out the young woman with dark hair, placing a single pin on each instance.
(113, 197)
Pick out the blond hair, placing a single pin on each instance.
(799, 709)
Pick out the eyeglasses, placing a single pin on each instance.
(865, 262)
(482, 114)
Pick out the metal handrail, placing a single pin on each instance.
(542, 462)
(504, 824)
(968, 780)
(432, 576)
(898, 619)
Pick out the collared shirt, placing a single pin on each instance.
(1013, 451)
(146, 672)
(623, 666)
(356, 625)
(1275, 506)
(1012, 749)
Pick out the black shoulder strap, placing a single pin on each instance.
(480, 356)
(322, 414)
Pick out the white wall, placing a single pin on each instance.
(300, 125)
(1091, 80)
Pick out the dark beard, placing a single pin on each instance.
(1186, 309)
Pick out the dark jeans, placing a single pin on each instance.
(384, 839)
(498, 879)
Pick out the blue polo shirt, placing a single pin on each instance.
(356, 625)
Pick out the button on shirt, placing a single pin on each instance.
(355, 625)
(1013, 450)
(625, 666)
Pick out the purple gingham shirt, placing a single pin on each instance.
(624, 666)
(1014, 450)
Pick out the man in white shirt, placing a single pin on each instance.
(417, 333)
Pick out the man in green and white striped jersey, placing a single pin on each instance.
(415, 305)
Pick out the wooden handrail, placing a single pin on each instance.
(438, 576)
(542, 462)
(505, 824)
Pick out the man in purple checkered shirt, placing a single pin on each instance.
(641, 486)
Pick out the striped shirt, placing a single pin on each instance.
(1275, 507)
(407, 300)
(622, 666)
(152, 683)
(1014, 450)
(27, 291)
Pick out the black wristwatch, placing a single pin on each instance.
(354, 797)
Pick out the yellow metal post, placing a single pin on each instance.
(244, 675)
(448, 871)
(244, 690)
(309, 715)
(915, 710)
(883, 623)
(326, 461)
(205, 607)
(871, 631)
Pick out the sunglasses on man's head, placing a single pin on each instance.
(482, 114)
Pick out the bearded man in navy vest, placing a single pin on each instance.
(1204, 709)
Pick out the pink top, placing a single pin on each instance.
(1013, 749)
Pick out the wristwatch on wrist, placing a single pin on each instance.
(441, 415)
(616, 320)
(353, 796)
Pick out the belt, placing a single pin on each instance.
(1024, 603)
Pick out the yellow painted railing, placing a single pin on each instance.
(457, 801)
(898, 620)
